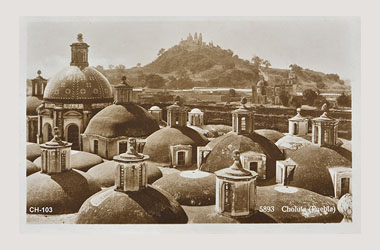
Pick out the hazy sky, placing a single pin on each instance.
(330, 45)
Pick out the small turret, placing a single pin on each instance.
(131, 169)
(324, 129)
(79, 53)
(243, 119)
(235, 190)
(298, 125)
(176, 116)
(123, 92)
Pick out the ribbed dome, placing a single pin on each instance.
(190, 188)
(72, 85)
(158, 144)
(64, 192)
(122, 120)
(312, 172)
(146, 206)
(222, 147)
(32, 103)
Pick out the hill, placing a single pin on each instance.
(192, 63)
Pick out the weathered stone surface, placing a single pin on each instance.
(191, 188)
(287, 206)
(79, 160)
(33, 151)
(104, 173)
(31, 168)
(64, 192)
(145, 206)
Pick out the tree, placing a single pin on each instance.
(284, 98)
(100, 68)
(296, 101)
(296, 68)
(161, 52)
(320, 85)
(267, 64)
(309, 96)
(154, 81)
(232, 93)
(257, 61)
(344, 100)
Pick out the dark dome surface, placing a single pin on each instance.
(158, 144)
(312, 172)
(104, 173)
(64, 192)
(270, 134)
(72, 85)
(122, 120)
(222, 151)
(32, 103)
(31, 168)
(33, 151)
(302, 198)
(207, 214)
(190, 188)
(79, 160)
(149, 205)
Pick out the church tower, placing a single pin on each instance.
(38, 86)
(79, 53)
(243, 120)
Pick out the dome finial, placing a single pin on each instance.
(39, 72)
(124, 79)
(299, 111)
(131, 151)
(80, 37)
(325, 107)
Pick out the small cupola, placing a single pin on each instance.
(123, 92)
(55, 155)
(235, 190)
(324, 129)
(156, 112)
(196, 117)
(243, 119)
(38, 85)
(131, 172)
(176, 114)
(79, 53)
(285, 171)
(298, 125)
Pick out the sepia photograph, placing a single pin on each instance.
(191, 120)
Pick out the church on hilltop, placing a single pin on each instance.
(197, 40)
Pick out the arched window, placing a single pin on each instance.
(243, 124)
(73, 136)
(96, 146)
(181, 158)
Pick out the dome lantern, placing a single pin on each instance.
(235, 190)
(243, 119)
(79, 53)
(156, 112)
(298, 125)
(131, 169)
(55, 155)
(176, 116)
(324, 129)
(38, 85)
(123, 92)
(196, 117)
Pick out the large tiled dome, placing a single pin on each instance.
(73, 85)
